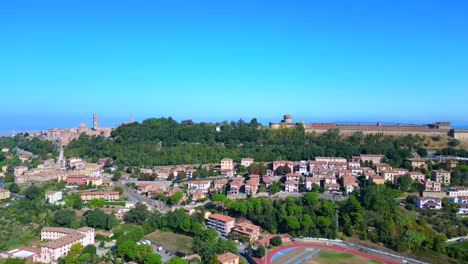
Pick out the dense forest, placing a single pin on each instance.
(164, 141)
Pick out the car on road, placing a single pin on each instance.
(461, 239)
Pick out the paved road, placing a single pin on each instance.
(455, 239)
(134, 197)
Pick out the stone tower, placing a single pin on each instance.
(95, 121)
(131, 118)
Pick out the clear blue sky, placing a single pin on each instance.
(394, 60)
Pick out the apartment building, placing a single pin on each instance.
(330, 159)
(60, 242)
(221, 223)
(457, 191)
(108, 196)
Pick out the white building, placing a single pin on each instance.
(204, 186)
(60, 242)
(428, 202)
(53, 197)
(246, 162)
(302, 168)
(456, 191)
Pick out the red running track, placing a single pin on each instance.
(318, 245)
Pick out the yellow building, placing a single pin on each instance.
(4, 194)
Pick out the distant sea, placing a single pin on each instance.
(10, 124)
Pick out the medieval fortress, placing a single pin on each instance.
(434, 129)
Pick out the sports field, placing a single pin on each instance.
(301, 253)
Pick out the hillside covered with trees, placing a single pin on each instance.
(164, 141)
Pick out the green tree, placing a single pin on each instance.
(276, 241)
(175, 198)
(64, 217)
(152, 258)
(260, 252)
(33, 192)
(14, 188)
(176, 260)
(96, 218)
(110, 221)
(137, 214)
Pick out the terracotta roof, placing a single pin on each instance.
(223, 218)
(68, 239)
(99, 193)
(4, 190)
(226, 257)
(58, 230)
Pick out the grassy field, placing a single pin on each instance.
(336, 257)
(173, 242)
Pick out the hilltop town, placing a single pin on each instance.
(235, 210)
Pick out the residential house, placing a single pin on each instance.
(375, 178)
(218, 185)
(302, 168)
(441, 176)
(330, 159)
(203, 185)
(285, 238)
(375, 158)
(53, 197)
(235, 185)
(20, 170)
(349, 183)
(310, 181)
(198, 195)
(428, 202)
(248, 230)
(246, 162)
(228, 258)
(390, 175)
(4, 194)
(451, 163)
(382, 167)
(416, 175)
(432, 186)
(292, 182)
(354, 165)
(283, 163)
(419, 163)
(227, 164)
